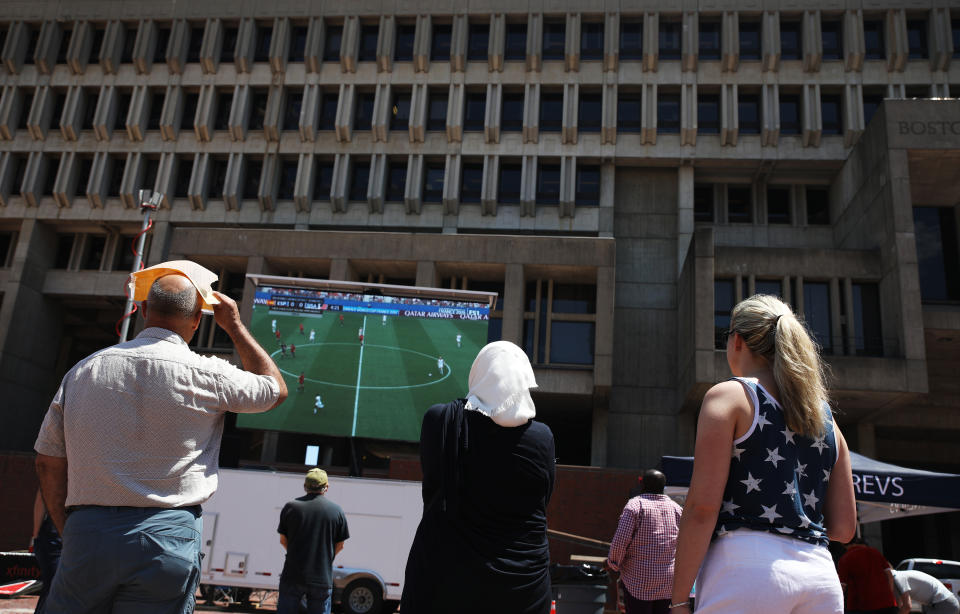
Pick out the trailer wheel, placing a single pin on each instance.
(362, 597)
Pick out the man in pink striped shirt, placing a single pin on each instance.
(644, 546)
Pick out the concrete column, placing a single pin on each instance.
(571, 53)
(853, 124)
(531, 113)
(210, 46)
(78, 52)
(350, 44)
(199, 179)
(313, 51)
(528, 187)
(48, 44)
(427, 274)
(15, 46)
(729, 115)
(422, 41)
(770, 43)
(851, 317)
(451, 184)
(491, 123)
(690, 43)
(456, 99)
(413, 188)
(267, 192)
(459, 32)
(898, 48)
(648, 122)
(812, 121)
(812, 41)
(730, 40)
(71, 113)
(233, 183)
(940, 38)
(145, 46)
(246, 39)
(41, 113)
(105, 115)
(608, 127)
(685, 224)
(688, 114)
(279, 45)
(177, 46)
(273, 116)
(651, 41)
(496, 42)
(382, 112)
(377, 183)
(534, 42)
(611, 42)
(836, 328)
(491, 181)
(513, 288)
(26, 373)
(854, 48)
(568, 127)
(345, 109)
(96, 188)
(172, 113)
(339, 188)
(239, 112)
(568, 186)
(770, 110)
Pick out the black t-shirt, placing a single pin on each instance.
(313, 526)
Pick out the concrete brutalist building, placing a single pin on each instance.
(621, 172)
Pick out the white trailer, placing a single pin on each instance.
(242, 548)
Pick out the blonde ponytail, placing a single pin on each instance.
(771, 330)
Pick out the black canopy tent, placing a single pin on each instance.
(883, 491)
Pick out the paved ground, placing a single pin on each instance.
(26, 605)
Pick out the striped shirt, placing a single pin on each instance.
(140, 422)
(644, 545)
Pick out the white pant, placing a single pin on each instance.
(755, 572)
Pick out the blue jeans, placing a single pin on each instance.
(47, 549)
(319, 599)
(128, 560)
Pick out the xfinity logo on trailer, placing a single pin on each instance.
(868, 484)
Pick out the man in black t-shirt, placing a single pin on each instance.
(312, 529)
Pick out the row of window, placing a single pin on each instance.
(552, 45)
(741, 205)
(709, 108)
(860, 332)
(509, 179)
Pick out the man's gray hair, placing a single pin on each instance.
(183, 304)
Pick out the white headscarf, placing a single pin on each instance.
(500, 381)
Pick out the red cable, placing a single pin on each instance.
(126, 287)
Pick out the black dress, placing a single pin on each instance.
(482, 543)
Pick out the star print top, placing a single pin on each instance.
(778, 479)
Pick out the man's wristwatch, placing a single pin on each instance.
(677, 605)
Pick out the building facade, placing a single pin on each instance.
(621, 173)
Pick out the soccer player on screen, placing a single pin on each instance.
(293, 350)
(283, 349)
(318, 404)
(341, 319)
(273, 326)
(301, 328)
(313, 335)
(384, 321)
(459, 338)
(440, 364)
(300, 382)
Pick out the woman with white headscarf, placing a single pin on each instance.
(488, 472)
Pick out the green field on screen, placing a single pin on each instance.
(379, 390)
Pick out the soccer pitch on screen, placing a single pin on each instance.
(365, 361)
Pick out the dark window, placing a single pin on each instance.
(668, 113)
(832, 34)
(917, 91)
(478, 41)
(588, 187)
(228, 49)
(400, 111)
(818, 206)
(363, 114)
(669, 39)
(64, 248)
(590, 113)
(591, 40)
(181, 183)
(703, 203)
(6, 239)
(359, 180)
(515, 42)
(871, 102)
(440, 46)
(709, 40)
(917, 39)
(32, 45)
(89, 109)
(935, 229)
(25, 110)
(867, 331)
(188, 115)
(816, 313)
(222, 119)
(572, 342)
(195, 44)
(331, 46)
(830, 113)
(551, 112)
(129, 39)
(509, 185)
(873, 39)
(437, 111)
(789, 114)
(433, 183)
(396, 181)
(291, 112)
(151, 166)
(629, 112)
(251, 178)
(748, 110)
(322, 180)
(750, 40)
(548, 184)
(298, 43)
(708, 114)
(218, 178)
(778, 205)
(511, 113)
(368, 43)
(83, 178)
(258, 108)
(403, 48)
(123, 259)
(474, 112)
(554, 39)
(471, 184)
(156, 110)
(163, 39)
(95, 46)
(93, 249)
(791, 41)
(955, 32)
(773, 287)
(65, 36)
(60, 98)
(723, 301)
(739, 205)
(631, 40)
(123, 108)
(261, 47)
(116, 176)
(287, 178)
(328, 110)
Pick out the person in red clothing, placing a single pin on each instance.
(643, 547)
(293, 350)
(300, 381)
(867, 586)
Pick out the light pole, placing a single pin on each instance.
(149, 201)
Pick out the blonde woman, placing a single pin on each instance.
(771, 478)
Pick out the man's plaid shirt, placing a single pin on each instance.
(644, 545)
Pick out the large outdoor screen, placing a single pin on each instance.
(364, 363)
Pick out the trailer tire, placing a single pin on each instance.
(362, 597)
